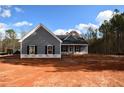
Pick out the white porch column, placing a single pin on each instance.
(73, 48)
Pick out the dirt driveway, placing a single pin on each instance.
(87, 70)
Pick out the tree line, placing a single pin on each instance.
(111, 38)
(107, 39)
(8, 42)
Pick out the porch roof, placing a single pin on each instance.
(70, 39)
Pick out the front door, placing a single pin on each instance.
(70, 49)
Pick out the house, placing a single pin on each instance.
(42, 43)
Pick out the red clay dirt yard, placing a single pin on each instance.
(80, 71)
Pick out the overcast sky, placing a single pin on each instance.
(59, 19)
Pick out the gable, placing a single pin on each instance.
(71, 39)
(62, 37)
(35, 29)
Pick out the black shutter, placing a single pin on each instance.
(35, 49)
(45, 49)
(53, 49)
(27, 49)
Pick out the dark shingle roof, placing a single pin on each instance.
(70, 39)
(62, 37)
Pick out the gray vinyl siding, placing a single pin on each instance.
(41, 38)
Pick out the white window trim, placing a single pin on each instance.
(47, 48)
(31, 46)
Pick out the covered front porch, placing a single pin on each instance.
(76, 49)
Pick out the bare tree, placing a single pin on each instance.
(10, 39)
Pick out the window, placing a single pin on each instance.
(77, 48)
(32, 49)
(49, 49)
(64, 48)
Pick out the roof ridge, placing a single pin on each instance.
(37, 27)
